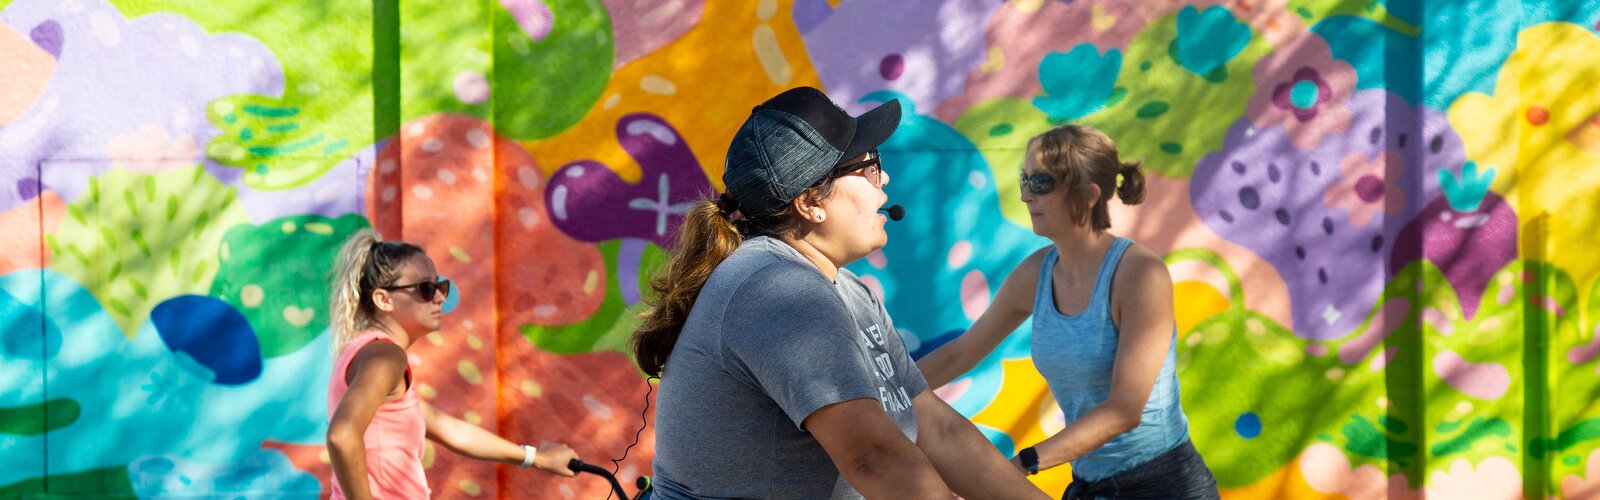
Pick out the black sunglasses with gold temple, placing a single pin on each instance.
(425, 289)
(870, 167)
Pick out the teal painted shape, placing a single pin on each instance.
(178, 413)
(1303, 95)
(949, 191)
(1465, 193)
(1461, 50)
(1076, 83)
(264, 470)
(1207, 40)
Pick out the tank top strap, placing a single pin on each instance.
(1044, 292)
(355, 346)
(1108, 271)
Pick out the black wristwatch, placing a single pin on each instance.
(1030, 460)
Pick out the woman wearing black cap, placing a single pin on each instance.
(781, 374)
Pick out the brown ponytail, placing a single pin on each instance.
(1131, 191)
(704, 240)
(711, 231)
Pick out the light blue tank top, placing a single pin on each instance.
(1075, 355)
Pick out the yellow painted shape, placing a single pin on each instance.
(1020, 410)
(1099, 19)
(1194, 301)
(1544, 168)
(995, 60)
(717, 75)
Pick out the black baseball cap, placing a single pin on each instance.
(794, 139)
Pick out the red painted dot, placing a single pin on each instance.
(892, 66)
(1538, 116)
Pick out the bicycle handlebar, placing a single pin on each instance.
(577, 466)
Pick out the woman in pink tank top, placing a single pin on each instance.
(386, 294)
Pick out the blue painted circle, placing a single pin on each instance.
(213, 335)
(1304, 94)
(1248, 425)
(454, 298)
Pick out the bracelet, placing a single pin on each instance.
(1030, 459)
(528, 453)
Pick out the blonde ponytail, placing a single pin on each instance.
(365, 263)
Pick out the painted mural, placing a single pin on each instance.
(1380, 216)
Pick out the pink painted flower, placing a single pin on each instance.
(1494, 477)
(1364, 186)
(1587, 486)
(1301, 87)
(152, 149)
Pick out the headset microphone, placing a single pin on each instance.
(896, 212)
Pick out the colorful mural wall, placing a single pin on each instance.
(1380, 217)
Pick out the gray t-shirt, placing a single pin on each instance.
(770, 341)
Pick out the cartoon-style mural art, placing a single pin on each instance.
(1379, 215)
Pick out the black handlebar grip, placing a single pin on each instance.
(575, 466)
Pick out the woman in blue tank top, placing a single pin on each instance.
(1103, 330)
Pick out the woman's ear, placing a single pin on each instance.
(382, 300)
(809, 207)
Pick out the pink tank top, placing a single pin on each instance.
(395, 437)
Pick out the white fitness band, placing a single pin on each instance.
(528, 453)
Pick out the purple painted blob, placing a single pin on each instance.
(47, 35)
(808, 14)
(589, 202)
(27, 188)
(1468, 247)
(892, 66)
(1335, 271)
(173, 65)
(933, 40)
(629, 255)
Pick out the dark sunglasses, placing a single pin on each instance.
(425, 289)
(1039, 183)
(871, 167)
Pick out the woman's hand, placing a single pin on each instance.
(553, 458)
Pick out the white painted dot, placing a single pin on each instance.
(422, 192)
(416, 129)
(388, 194)
(528, 177)
(105, 29)
(597, 409)
(447, 177)
(190, 46)
(528, 217)
(977, 180)
(545, 311)
(477, 138)
(387, 166)
(657, 85)
(480, 175)
(432, 145)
